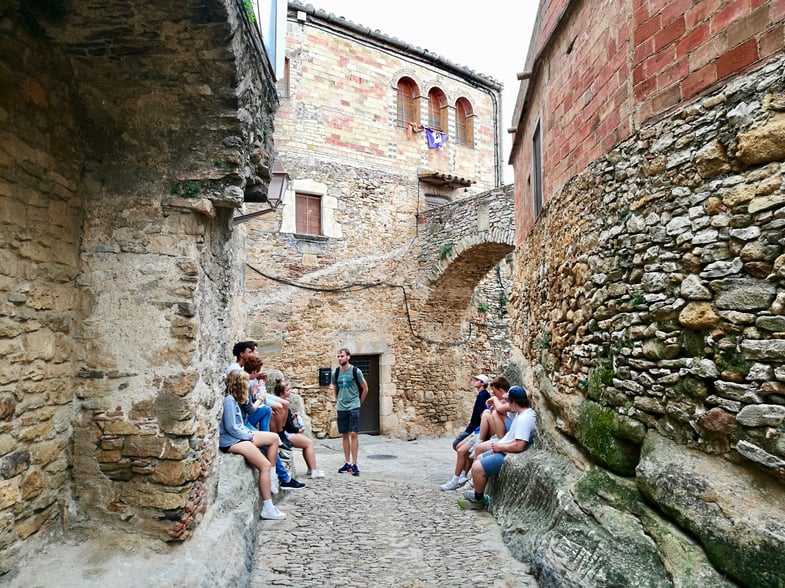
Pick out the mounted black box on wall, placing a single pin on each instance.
(325, 376)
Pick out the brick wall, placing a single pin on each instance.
(603, 69)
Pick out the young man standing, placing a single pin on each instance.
(492, 453)
(350, 392)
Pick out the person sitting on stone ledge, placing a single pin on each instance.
(492, 453)
(243, 351)
(295, 433)
(235, 437)
(493, 421)
(258, 417)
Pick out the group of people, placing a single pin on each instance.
(257, 424)
(502, 422)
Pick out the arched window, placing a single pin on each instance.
(408, 110)
(437, 110)
(464, 123)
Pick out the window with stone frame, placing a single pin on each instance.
(464, 122)
(308, 212)
(437, 110)
(408, 110)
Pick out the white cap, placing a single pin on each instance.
(482, 377)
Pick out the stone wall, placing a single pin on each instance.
(129, 135)
(650, 296)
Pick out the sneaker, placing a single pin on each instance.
(345, 468)
(316, 474)
(355, 471)
(292, 485)
(284, 454)
(453, 484)
(463, 478)
(469, 502)
(274, 484)
(272, 514)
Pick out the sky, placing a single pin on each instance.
(490, 37)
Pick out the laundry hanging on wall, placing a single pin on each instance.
(436, 138)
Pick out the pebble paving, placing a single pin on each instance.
(390, 526)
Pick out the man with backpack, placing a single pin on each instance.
(350, 392)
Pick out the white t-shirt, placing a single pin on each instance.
(522, 427)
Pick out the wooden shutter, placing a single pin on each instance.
(308, 208)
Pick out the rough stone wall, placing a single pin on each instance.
(650, 296)
(129, 134)
(41, 302)
(360, 284)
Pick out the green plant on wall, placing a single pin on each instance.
(543, 341)
(445, 251)
(185, 189)
(638, 299)
(249, 10)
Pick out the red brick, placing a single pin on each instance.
(642, 51)
(669, 34)
(638, 75)
(772, 41)
(693, 39)
(673, 74)
(699, 81)
(749, 26)
(640, 12)
(676, 9)
(664, 100)
(701, 12)
(646, 30)
(645, 88)
(737, 59)
(706, 53)
(731, 13)
(660, 60)
(777, 10)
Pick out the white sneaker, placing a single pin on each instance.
(272, 514)
(463, 478)
(274, 483)
(452, 485)
(317, 474)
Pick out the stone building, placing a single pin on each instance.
(341, 263)
(649, 292)
(128, 135)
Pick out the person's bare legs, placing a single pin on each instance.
(498, 424)
(485, 425)
(250, 451)
(462, 458)
(266, 438)
(306, 444)
(346, 447)
(278, 418)
(478, 477)
(354, 443)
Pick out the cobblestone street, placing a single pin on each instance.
(390, 526)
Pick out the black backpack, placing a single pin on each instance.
(354, 373)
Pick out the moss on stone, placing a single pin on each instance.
(692, 342)
(600, 376)
(608, 439)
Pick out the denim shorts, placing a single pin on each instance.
(491, 462)
(349, 421)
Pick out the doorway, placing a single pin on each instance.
(369, 411)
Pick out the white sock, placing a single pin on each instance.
(461, 477)
(268, 503)
(454, 478)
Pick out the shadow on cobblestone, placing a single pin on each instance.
(390, 526)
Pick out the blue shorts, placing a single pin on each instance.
(491, 463)
(349, 421)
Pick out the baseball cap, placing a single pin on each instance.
(482, 377)
(517, 394)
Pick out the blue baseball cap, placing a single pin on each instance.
(517, 393)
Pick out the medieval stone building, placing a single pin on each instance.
(128, 135)
(379, 139)
(649, 292)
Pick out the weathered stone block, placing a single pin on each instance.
(175, 473)
(154, 446)
(698, 316)
(764, 143)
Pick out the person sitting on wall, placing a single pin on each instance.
(492, 453)
(492, 422)
(243, 351)
(295, 432)
(480, 384)
(235, 437)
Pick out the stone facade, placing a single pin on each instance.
(128, 137)
(362, 282)
(649, 293)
